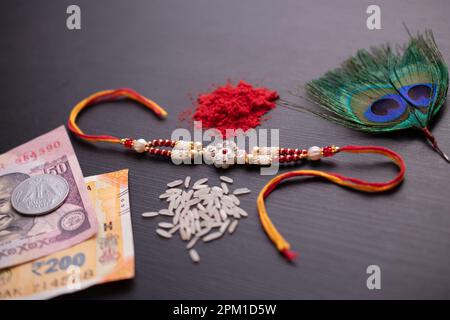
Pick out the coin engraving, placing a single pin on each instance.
(40, 194)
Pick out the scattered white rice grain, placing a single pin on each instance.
(213, 224)
(171, 206)
(239, 191)
(241, 212)
(201, 192)
(192, 202)
(192, 243)
(233, 226)
(217, 215)
(177, 202)
(235, 200)
(199, 186)
(150, 214)
(223, 214)
(183, 234)
(188, 233)
(198, 208)
(188, 195)
(226, 179)
(217, 191)
(163, 233)
(174, 229)
(166, 212)
(224, 188)
(187, 181)
(203, 232)
(165, 225)
(174, 183)
(212, 236)
(200, 181)
(217, 203)
(174, 191)
(194, 255)
(224, 226)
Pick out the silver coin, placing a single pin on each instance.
(40, 194)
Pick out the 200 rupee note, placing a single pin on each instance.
(109, 256)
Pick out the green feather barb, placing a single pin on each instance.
(382, 89)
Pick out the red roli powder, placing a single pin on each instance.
(234, 107)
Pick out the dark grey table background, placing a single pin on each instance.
(168, 50)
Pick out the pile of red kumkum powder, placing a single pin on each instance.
(234, 107)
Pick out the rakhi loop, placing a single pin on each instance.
(105, 96)
(227, 153)
(282, 245)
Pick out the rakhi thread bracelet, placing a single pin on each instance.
(227, 153)
(222, 155)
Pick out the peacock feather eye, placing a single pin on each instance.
(419, 95)
(386, 109)
(384, 89)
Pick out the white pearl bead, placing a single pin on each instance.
(197, 146)
(180, 156)
(183, 145)
(314, 153)
(240, 156)
(264, 160)
(139, 145)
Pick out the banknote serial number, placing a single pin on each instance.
(43, 267)
(44, 284)
(33, 155)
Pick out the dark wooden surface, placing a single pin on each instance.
(168, 50)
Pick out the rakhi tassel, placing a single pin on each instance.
(282, 245)
(105, 96)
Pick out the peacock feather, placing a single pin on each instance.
(383, 90)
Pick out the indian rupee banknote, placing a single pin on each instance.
(109, 256)
(24, 238)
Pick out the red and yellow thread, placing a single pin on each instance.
(282, 245)
(105, 96)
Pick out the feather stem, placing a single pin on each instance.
(430, 137)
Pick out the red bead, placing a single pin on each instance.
(128, 143)
(288, 158)
(327, 151)
(282, 158)
(291, 151)
(167, 143)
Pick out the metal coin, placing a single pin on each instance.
(40, 194)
